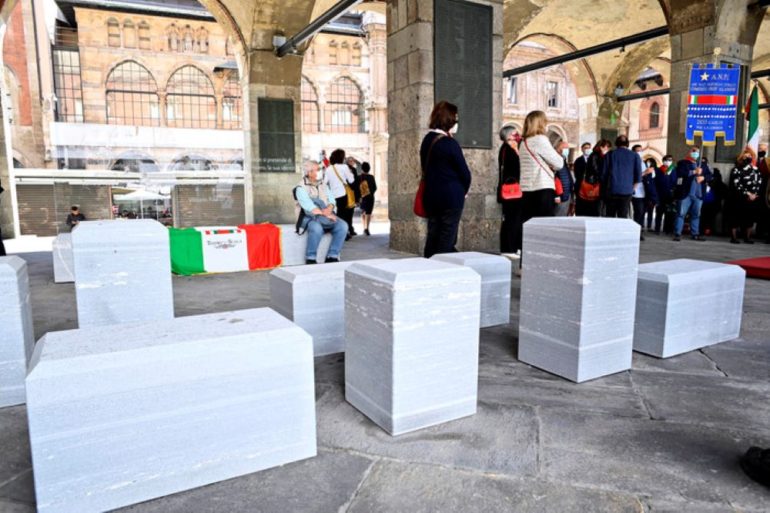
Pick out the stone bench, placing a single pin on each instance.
(124, 414)
(313, 297)
(683, 305)
(578, 295)
(412, 342)
(17, 339)
(63, 259)
(495, 272)
(122, 272)
(294, 247)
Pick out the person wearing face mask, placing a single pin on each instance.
(581, 162)
(563, 205)
(509, 173)
(691, 178)
(649, 199)
(588, 179)
(447, 179)
(763, 163)
(743, 197)
(663, 189)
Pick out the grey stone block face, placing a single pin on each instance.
(684, 304)
(123, 272)
(495, 272)
(313, 296)
(123, 414)
(578, 295)
(411, 342)
(63, 260)
(294, 247)
(17, 338)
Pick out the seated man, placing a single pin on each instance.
(318, 204)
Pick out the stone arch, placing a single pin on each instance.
(12, 89)
(136, 60)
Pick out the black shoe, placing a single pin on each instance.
(310, 262)
(641, 237)
(348, 237)
(734, 241)
(748, 241)
(366, 232)
(331, 260)
(699, 238)
(756, 464)
(677, 238)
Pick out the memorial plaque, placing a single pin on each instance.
(463, 64)
(276, 136)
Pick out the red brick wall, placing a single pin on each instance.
(15, 57)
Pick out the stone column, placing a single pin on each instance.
(271, 77)
(6, 202)
(410, 101)
(703, 32)
(376, 31)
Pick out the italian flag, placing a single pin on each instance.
(709, 99)
(752, 116)
(248, 247)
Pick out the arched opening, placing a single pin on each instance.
(310, 111)
(654, 115)
(345, 107)
(132, 96)
(190, 99)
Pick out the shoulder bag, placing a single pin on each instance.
(508, 190)
(419, 205)
(590, 188)
(348, 189)
(557, 185)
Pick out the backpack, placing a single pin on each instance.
(364, 188)
(301, 227)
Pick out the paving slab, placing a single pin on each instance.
(19, 489)
(706, 400)
(15, 507)
(323, 484)
(742, 362)
(14, 443)
(694, 362)
(398, 487)
(500, 439)
(658, 459)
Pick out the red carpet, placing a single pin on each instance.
(755, 267)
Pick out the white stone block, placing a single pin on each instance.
(16, 336)
(683, 305)
(124, 414)
(578, 295)
(412, 342)
(313, 297)
(294, 247)
(63, 259)
(122, 272)
(495, 272)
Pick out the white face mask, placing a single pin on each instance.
(454, 129)
(565, 153)
(667, 162)
(587, 153)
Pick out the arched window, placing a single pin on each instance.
(310, 118)
(172, 35)
(345, 107)
(655, 115)
(190, 100)
(129, 34)
(187, 38)
(231, 103)
(192, 163)
(132, 96)
(144, 35)
(203, 40)
(113, 33)
(356, 54)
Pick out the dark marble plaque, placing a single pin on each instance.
(276, 136)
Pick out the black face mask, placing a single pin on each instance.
(746, 162)
(762, 154)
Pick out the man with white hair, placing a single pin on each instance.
(318, 206)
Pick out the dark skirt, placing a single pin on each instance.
(367, 204)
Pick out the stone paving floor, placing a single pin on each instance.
(664, 437)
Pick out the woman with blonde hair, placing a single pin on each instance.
(539, 163)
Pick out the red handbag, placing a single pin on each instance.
(510, 191)
(419, 205)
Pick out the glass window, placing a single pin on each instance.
(187, 38)
(511, 93)
(231, 103)
(113, 33)
(344, 54)
(132, 97)
(191, 102)
(356, 54)
(655, 115)
(345, 107)
(552, 94)
(129, 34)
(144, 35)
(310, 118)
(69, 94)
(333, 53)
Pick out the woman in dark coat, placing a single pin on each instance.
(447, 180)
(367, 186)
(743, 197)
(509, 172)
(592, 174)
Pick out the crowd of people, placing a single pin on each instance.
(330, 191)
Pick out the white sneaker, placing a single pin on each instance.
(512, 256)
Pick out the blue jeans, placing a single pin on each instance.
(683, 206)
(316, 228)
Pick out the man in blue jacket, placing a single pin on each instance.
(690, 180)
(622, 172)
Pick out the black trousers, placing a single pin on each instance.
(639, 209)
(585, 208)
(537, 204)
(345, 213)
(665, 216)
(618, 206)
(510, 230)
(442, 232)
